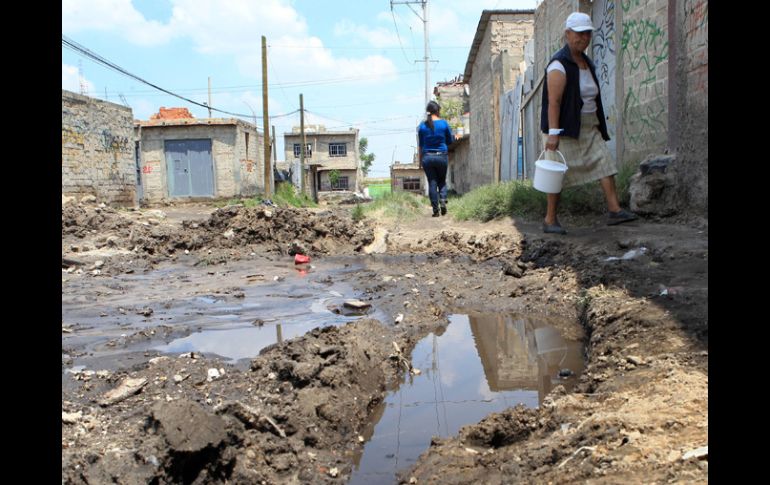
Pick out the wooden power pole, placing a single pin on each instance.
(302, 145)
(266, 123)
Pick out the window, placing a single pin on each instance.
(342, 184)
(338, 149)
(411, 183)
(308, 150)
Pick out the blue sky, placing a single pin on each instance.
(352, 60)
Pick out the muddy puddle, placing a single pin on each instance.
(232, 311)
(479, 364)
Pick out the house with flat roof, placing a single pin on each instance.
(182, 157)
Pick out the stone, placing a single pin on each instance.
(653, 188)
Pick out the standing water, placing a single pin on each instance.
(479, 365)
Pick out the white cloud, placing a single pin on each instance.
(70, 80)
(377, 37)
(232, 27)
(118, 16)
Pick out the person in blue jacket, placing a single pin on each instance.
(435, 136)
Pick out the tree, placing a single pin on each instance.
(452, 111)
(366, 158)
(334, 177)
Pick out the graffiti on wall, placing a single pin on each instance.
(696, 16)
(644, 46)
(70, 136)
(604, 57)
(115, 143)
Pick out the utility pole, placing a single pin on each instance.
(302, 145)
(209, 105)
(424, 18)
(266, 122)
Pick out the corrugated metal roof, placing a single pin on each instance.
(479, 37)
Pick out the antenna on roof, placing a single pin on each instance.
(82, 79)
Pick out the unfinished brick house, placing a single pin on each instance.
(182, 157)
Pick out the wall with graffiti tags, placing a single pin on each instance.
(653, 77)
(97, 150)
(644, 52)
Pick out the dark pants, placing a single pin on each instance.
(435, 166)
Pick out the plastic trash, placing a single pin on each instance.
(634, 253)
(301, 259)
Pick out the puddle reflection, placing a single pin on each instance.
(479, 364)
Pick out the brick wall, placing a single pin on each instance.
(97, 150)
(494, 72)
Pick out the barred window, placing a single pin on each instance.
(338, 149)
(342, 184)
(308, 150)
(411, 183)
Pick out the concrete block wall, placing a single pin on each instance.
(460, 171)
(97, 150)
(644, 53)
(228, 151)
(493, 72)
(248, 169)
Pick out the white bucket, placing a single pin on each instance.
(549, 175)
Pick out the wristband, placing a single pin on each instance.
(555, 131)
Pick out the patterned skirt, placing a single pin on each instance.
(588, 156)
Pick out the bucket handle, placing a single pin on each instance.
(557, 151)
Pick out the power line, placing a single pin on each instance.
(101, 60)
(397, 34)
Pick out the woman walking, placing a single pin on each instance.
(573, 117)
(435, 137)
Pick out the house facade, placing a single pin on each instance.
(332, 162)
(408, 177)
(182, 157)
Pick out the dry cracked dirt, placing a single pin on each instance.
(296, 397)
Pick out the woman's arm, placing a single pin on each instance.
(557, 81)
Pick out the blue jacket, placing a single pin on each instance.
(571, 102)
(438, 139)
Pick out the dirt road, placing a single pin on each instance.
(299, 382)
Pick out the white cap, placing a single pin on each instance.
(578, 22)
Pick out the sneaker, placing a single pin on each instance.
(620, 216)
(443, 207)
(435, 213)
(554, 228)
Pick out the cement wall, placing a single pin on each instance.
(97, 143)
(494, 72)
(236, 172)
(460, 168)
(326, 183)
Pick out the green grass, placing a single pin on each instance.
(519, 198)
(379, 189)
(286, 196)
(395, 205)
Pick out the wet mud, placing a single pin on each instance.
(197, 352)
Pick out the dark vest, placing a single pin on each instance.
(571, 102)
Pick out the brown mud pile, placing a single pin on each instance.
(233, 227)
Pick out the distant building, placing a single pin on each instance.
(326, 151)
(185, 157)
(408, 177)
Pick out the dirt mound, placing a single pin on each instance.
(451, 243)
(320, 232)
(81, 220)
(233, 227)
